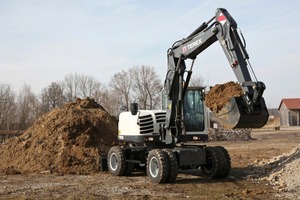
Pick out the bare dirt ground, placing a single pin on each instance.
(189, 185)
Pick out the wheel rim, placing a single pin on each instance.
(153, 167)
(208, 168)
(113, 161)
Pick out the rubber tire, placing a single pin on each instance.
(226, 162)
(116, 161)
(173, 166)
(213, 168)
(158, 166)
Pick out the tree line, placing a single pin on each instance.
(141, 84)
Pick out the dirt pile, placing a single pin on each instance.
(220, 134)
(64, 141)
(220, 94)
(281, 171)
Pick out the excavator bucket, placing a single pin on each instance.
(234, 115)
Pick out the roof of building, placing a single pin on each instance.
(291, 103)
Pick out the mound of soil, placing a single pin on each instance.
(220, 94)
(66, 140)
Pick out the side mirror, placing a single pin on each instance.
(134, 107)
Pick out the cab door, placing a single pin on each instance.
(194, 110)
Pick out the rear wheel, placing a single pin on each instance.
(226, 163)
(116, 161)
(213, 167)
(158, 166)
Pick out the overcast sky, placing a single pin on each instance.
(41, 41)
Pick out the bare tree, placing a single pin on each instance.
(70, 86)
(139, 84)
(82, 86)
(51, 96)
(27, 106)
(7, 106)
(197, 80)
(112, 102)
(121, 85)
(88, 86)
(146, 86)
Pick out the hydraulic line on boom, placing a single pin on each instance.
(247, 111)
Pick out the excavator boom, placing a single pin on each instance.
(246, 111)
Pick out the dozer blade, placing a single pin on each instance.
(235, 115)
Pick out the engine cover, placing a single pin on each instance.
(146, 125)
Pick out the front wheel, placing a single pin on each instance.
(173, 166)
(158, 166)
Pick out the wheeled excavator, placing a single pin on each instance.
(162, 142)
